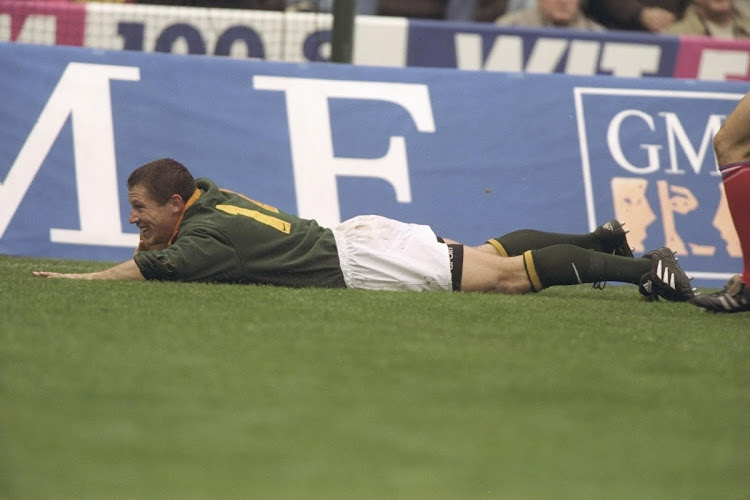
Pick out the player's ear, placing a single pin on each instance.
(176, 203)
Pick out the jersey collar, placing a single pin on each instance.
(193, 198)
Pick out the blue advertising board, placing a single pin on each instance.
(473, 154)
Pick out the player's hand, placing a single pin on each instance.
(127, 270)
(71, 276)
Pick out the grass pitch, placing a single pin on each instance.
(166, 390)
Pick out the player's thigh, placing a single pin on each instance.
(484, 272)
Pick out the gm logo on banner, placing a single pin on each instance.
(656, 171)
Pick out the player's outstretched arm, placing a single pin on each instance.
(128, 270)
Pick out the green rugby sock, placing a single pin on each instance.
(517, 242)
(571, 265)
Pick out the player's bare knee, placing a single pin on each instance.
(511, 280)
(512, 285)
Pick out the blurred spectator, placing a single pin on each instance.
(429, 9)
(551, 13)
(716, 18)
(637, 15)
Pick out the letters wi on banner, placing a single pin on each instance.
(473, 154)
(482, 46)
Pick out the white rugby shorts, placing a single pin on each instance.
(377, 253)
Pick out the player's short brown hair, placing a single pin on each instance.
(163, 178)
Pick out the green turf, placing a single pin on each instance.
(162, 390)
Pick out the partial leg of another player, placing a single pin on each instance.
(732, 147)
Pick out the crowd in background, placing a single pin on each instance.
(716, 18)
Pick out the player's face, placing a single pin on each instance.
(155, 221)
(560, 12)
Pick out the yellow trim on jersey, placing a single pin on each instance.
(274, 222)
(499, 247)
(189, 203)
(528, 260)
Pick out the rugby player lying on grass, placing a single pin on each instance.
(193, 231)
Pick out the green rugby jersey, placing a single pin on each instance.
(226, 237)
